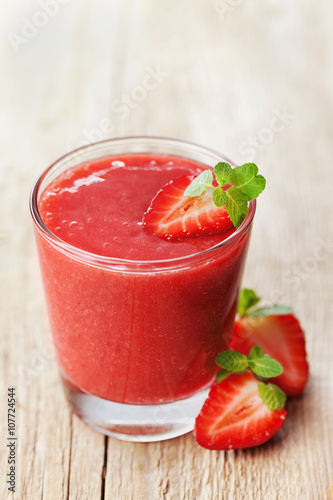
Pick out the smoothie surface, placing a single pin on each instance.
(98, 206)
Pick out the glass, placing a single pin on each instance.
(108, 315)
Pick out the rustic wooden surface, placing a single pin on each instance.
(227, 70)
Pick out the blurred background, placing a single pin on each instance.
(252, 79)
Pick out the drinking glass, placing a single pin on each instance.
(136, 341)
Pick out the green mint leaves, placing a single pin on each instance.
(232, 361)
(222, 374)
(248, 299)
(265, 366)
(223, 173)
(246, 183)
(272, 396)
(247, 180)
(236, 205)
(261, 365)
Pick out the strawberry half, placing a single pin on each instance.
(280, 336)
(235, 417)
(172, 215)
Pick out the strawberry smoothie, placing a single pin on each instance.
(135, 318)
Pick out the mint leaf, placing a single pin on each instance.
(267, 311)
(247, 185)
(255, 353)
(223, 173)
(265, 367)
(200, 184)
(236, 205)
(247, 298)
(219, 197)
(247, 180)
(272, 396)
(232, 361)
(222, 374)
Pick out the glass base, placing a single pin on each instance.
(141, 423)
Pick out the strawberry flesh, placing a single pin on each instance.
(235, 417)
(173, 216)
(282, 337)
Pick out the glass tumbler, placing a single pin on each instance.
(136, 341)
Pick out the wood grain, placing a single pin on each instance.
(251, 79)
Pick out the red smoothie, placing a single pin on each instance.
(126, 330)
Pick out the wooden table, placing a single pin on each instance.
(251, 79)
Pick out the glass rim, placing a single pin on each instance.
(115, 262)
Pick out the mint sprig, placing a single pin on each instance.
(246, 185)
(263, 367)
(259, 363)
(248, 299)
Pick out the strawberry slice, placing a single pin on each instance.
(172, 215)
(235, 417)
(280, 336)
